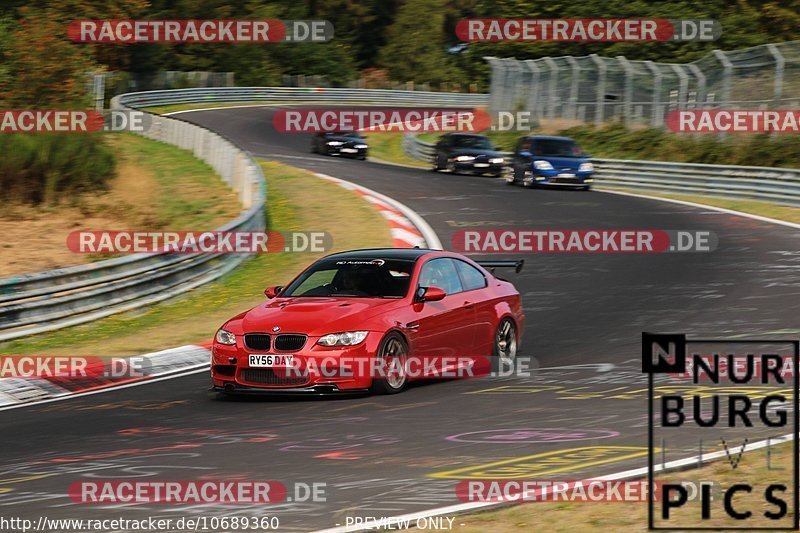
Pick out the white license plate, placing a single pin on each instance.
(481, 165)
(348, 150)
(566, 175)
(270, 360)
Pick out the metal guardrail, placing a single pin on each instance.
(377, 97)
(45, 301)
(767, 184)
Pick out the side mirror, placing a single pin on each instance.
(430, 294)
(498, 148)
(272, 292)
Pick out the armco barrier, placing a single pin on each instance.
(45, 301)
(378, 97)
(775, 185)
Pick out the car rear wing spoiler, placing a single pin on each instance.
(491, 265)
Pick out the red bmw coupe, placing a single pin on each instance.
(353, 321)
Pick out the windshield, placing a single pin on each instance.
(557, 148)
(345, 134)
(355, 278)
(472, 141)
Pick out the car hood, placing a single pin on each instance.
(476, 152)
(562, 163)
(313, 316)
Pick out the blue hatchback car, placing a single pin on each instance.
(543, 160)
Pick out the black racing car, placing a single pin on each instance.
(344, 143)
(468, 152)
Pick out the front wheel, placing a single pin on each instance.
(528, 180)
(393, 356)
(451, 165)
(505, 341)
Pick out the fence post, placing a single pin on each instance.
(494, 83)
(657, 119)
(628, 87)
(552, 86)
(533, 96)
(573, 87)
(683, 87)
(601, 89)
(780, 63)
(701, 83)
(726, 76)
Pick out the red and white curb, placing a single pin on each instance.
(407, 227)
(166, 364)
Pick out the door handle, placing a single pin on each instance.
(468, 305)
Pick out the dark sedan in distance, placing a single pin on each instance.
(343, 143)
(468, 153)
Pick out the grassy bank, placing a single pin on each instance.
(155, 186)
(297, 201)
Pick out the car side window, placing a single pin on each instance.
(441, 273)
(471, 277)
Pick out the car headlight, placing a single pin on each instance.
(586, 167)
(348, 338)
(361, 146)
(497, 160)
(334, 143)
(464, 158)
(542, 165)
(225, 337)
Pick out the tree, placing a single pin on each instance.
(414, 49)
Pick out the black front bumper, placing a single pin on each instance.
(311, 390)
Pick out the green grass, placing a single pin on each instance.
(388, 147)
(190, 194)
(297, 200)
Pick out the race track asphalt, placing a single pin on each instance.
(585, 315)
